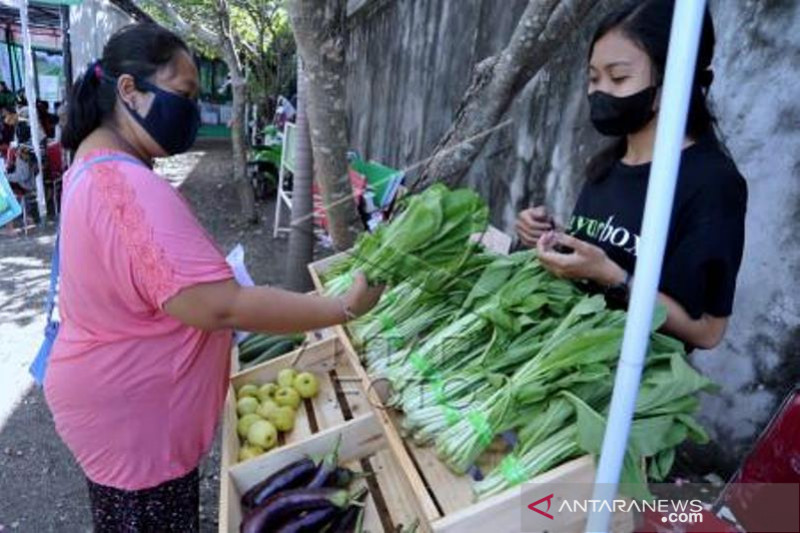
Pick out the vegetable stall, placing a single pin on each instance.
(475, 373)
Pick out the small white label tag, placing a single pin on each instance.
(494, 240)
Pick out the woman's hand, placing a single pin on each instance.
(532, 223)
(361, 297)
(590, 262)
(586, 261)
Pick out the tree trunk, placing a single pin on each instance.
(247, 201)
(239, 147)
(496, 81)
(301, 238)
(318, 29)
(223, 39)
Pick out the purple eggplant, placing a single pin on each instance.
(326, 468)
(291, 476)
(352, 518)
(311, 521)
(342, 477)
(277, 509)
(346, 522)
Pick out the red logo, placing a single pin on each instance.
(532, 507)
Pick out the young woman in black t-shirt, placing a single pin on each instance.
(706, 234)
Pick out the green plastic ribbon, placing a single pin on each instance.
(512, 470)
(391, 334)
(438, 392)
(480, 424)
(420, 364)
(451, 416)
(387, 322)
(396, 341)
(390, 298)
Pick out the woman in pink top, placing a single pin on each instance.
(148, 304)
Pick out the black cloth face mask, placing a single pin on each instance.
(615, 115)
(172, 121)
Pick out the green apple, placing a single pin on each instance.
(267, 391)
(262, 434)
(249, 451)
(247, 390)
(244, 423)
(286, 377)
(283, 418)
(287, 396)
(306, 384)
(266, 408)
(246, 405)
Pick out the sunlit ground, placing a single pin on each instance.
(178, 167)
(21, 322)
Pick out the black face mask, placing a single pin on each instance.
(614, 115)
(173, 120)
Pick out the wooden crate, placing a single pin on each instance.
(390, 504)
(340, 408)
(444, 498)
(341, 396)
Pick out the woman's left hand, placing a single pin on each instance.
(586, 261)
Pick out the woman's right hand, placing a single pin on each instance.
(361, 297)
(532, 223)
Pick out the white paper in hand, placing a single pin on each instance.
(236, 260)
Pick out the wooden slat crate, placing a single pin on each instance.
(337, 398)
(341, 407)
(390, 504)
(444, 498)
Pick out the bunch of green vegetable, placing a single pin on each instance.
(431, 233)
(475, 345)
(584, 343)
(502, 321)
(573, 423)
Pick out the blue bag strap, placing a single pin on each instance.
(55, 268)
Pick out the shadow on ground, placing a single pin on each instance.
(24, 276)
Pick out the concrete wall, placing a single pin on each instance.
(92, 23)
(410, 61)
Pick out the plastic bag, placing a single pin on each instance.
(9, 206)
(236, 260)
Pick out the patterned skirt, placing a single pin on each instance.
(172, 506)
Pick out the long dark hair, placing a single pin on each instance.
(648, 25)
(139, 50)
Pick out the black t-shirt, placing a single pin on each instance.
(706, 233)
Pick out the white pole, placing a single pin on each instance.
(687, 23)
(33, 116)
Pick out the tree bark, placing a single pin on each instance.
(496, 81)
(301, 238)
(319, 32)
(238, 120)
(222, 40)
